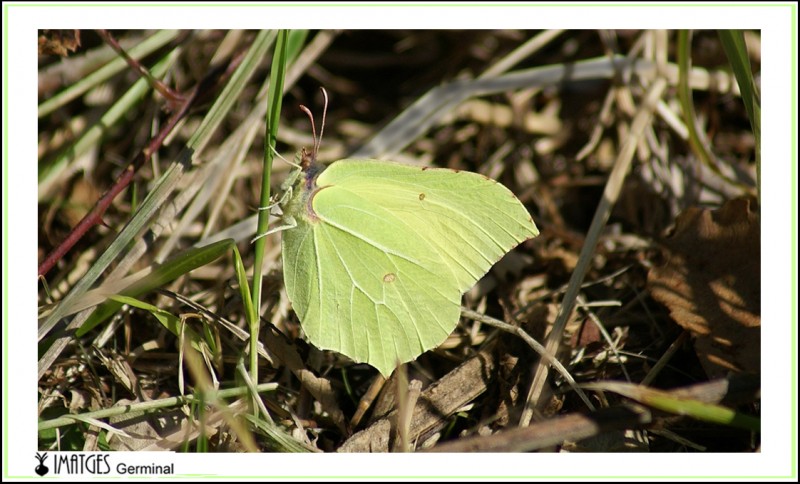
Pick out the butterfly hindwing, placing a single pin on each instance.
(365, 285)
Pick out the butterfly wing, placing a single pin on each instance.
(382, 252)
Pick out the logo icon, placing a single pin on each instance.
(41, 469)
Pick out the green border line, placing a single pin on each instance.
(402, 4)
(5, 237)
(793, 161)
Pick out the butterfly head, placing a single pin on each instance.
(310, 167)
(307, 159)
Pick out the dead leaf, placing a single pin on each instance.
(142, 429)
(80, 400)
(59, 42)
(711, 284)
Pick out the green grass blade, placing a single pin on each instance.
(687, 103)
(280, 440)
(241, 277)
(665, 401)
(50, 173)
(275, 97)
(171, 322)
(150, 406)
(294, 44)
(115, 66)
(232, 90)
(736, 51)
(167, 272)
(698, 143)
(168, 182)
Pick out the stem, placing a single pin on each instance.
(277, 76)
(173, 98)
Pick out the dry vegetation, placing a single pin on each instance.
(670, 292)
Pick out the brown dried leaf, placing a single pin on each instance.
(59, 42)
(711, 284)
(143, 430)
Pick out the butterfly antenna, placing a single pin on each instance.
(324, 113)
(313, 128)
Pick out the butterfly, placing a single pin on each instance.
(377, 254)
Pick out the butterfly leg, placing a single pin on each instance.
(289, 223)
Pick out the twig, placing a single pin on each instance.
(552, 432)
(174, 99)
(535, 345)
(434, 406)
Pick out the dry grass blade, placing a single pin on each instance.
(610, 195)
(439, 101)
(149, 208)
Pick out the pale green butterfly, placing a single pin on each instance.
(377, 254)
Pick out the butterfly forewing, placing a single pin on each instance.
(471, 220)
